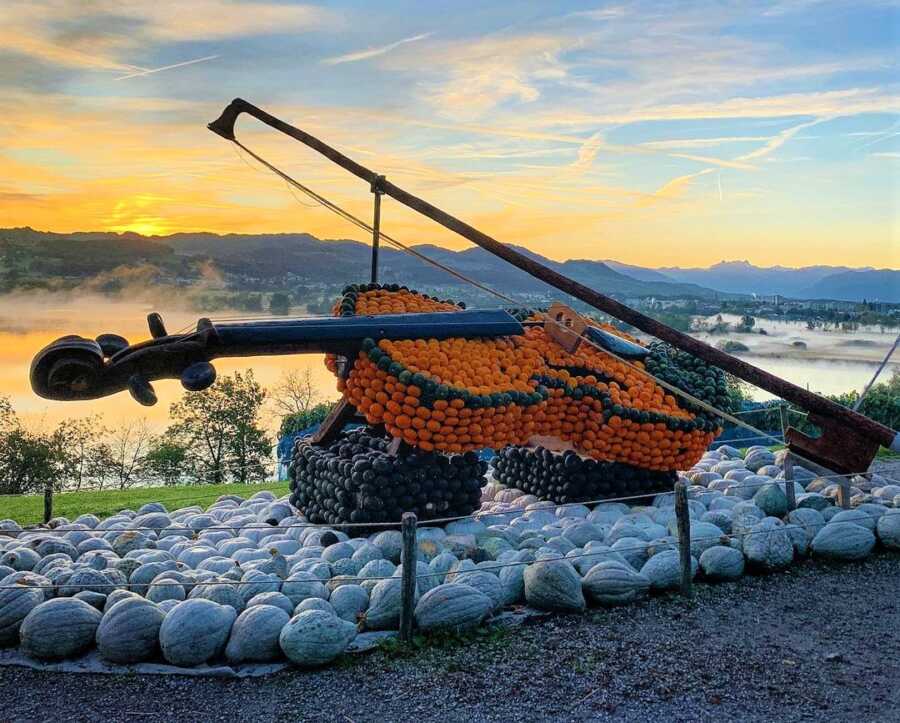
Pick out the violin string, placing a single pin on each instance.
(365, 226)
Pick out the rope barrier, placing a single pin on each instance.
(545, 505)
(339, 525)
(599, 553)
(739, 439)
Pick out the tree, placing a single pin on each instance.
(304, 420)
(29, 460)
(166, 460)
(84, 452)
(280, 304)
(220, 428)
(294, 392)
(121, 455)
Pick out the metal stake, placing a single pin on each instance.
(376, 226)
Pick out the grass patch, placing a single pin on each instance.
(29, 509)
(443, 641)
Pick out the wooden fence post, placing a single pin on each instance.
(844, 493)
(789, 490)
(682, 513)
(48, 502)
(409, 558)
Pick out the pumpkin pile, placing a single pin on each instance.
(356, 479)
(456, 395)
(567, 477)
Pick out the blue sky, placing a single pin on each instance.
(653, 133)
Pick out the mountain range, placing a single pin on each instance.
(807, 282)
(266, 258)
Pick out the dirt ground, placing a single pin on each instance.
(816, 642)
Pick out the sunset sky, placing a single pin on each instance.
(653, 133)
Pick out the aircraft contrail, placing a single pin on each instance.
(150, 71)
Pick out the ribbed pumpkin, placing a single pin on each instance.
(486, 583)
(129, 631)
(15, 603)
(254, 635)
(314, 638)
(452, 606)
(195, 631)
(888, 527)
(722, 563)
(554, 585)
(383, 612)
(58, 629)
(843, 541)
(612, 583)
(349, 602)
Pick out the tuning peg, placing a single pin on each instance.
(157, 327)
(141, 390)
(198, 376)
(111, 344)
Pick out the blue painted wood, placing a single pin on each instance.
(615, 344)
(436, 325)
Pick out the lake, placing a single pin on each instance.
(832, 361)
(27, 326)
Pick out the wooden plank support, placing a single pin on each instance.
(683, 517)
(838, 446)
(331, 426)
(408, 581)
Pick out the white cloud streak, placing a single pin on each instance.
(373, 52)
(139, 72)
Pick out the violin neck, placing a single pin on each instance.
(345, 334)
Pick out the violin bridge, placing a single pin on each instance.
(565, 326)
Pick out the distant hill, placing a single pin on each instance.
(870, 284)
(807, 282)
(267, 259)
(29, 257)
(742, 277)
(638, 272)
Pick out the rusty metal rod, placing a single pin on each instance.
(224, 126)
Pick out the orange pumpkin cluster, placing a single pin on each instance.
(459, 394)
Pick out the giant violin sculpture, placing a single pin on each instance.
(439, 380)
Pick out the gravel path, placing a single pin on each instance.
(810, 643)
(888, 466)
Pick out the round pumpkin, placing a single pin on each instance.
(554, 585)
(254, 635)
(129, 631)
(315, 637)
(59, 628)
(452, 606)
(612, 583)
(195, 631)
(15, 603)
